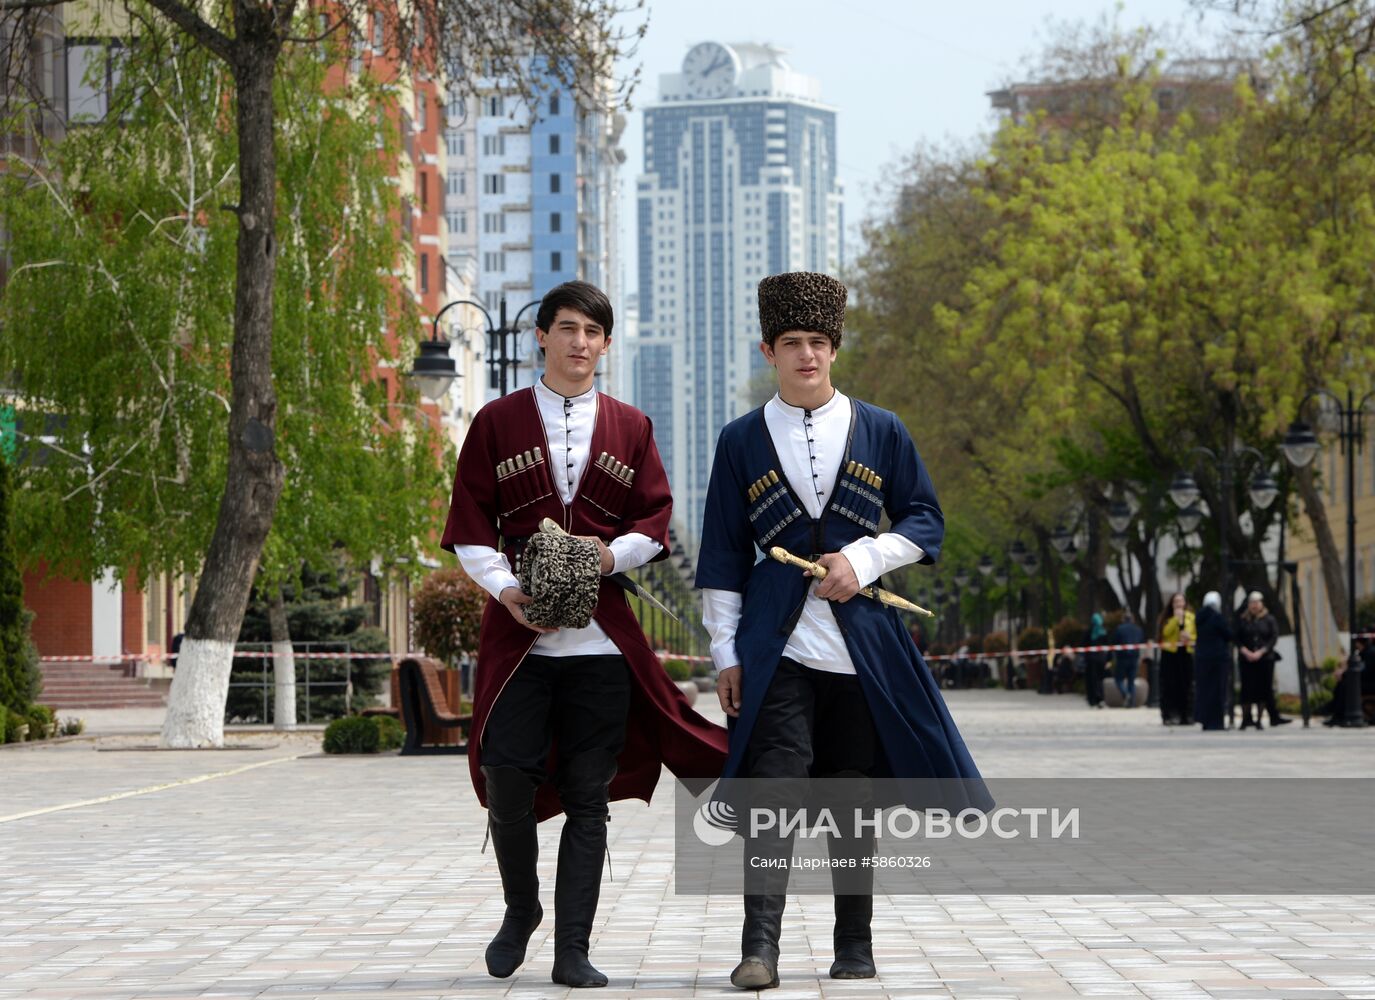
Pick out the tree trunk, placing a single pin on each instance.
(1328, 555)
(195, 710)
(283, 665)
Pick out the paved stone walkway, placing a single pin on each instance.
(284, 874)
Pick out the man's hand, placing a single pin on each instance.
(840, 584)
(513, 600)
(608, 558)
(728, 691)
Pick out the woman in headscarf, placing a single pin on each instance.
(1257, 633)
(1211, 656)
(1176, 636)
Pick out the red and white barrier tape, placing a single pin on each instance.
(1044, 652)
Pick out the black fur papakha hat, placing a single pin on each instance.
(801, 300)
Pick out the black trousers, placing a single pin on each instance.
(1177, 686)
(582, 701)
(812, 724)
(1093, 677)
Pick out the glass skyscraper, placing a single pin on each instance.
(740, 182)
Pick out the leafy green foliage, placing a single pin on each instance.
(446, 612)
(322, 618)
(351, 734)
(20, 680)
(390, 733)
(130, 377)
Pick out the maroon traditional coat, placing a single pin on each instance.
(487, 507)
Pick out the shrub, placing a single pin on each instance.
(390, 733)
(352, 734)
(1032, 637)
(41, 719)
(677, 669)
(447, 612)
(975, 643)
(13, 720)
(1070, 632)
(995, 642)
(4, 722)
(72, 726)
(702, 668)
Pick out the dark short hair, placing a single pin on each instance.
(586, 298)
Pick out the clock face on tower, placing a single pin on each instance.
(709, 70)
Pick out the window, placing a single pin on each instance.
(419, 29)
(424, 273)
(493, 183)
(555, 222)
(93, 73)
(553, 104)
(555, 261)
(495, 106)
(555, 184)
(422, 115)
(494, 260)
(494, 222)
(424, 191)
(494, 145)
(554, 145)
(458, 222)
(378, 36)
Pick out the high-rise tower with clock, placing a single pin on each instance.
(739, 182)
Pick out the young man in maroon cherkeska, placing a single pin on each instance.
(566, 719)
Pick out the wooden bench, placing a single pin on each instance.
(423, 700)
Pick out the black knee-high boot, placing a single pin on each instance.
(584, 786)
(511, 820)
(766, 888)
(853, 882)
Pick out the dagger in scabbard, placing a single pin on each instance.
(818, 571)
(551, 527)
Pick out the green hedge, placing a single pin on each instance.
(390, 733)
(353, 734)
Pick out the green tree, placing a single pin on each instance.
(321, 614)
(128, 236)
(252, 46)
(20, 681)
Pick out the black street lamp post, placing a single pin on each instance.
(434, 370)
(1300, 446)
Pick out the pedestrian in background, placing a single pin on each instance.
(1212, 656)
(1176, 635)
(1127, 661)
(1257, 633)
(1094, 661)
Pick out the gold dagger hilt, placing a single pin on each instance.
(873, 593)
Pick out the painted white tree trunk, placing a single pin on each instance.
(200, 688)
(284, 678)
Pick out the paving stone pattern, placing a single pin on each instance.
(364, 877)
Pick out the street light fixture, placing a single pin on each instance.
(1183, 490)
(434, 371)
(1061, 539)
(986, 564)
(1264, 489)
(1300, 444)
(1119, 515)
(1118, 540)
(1068, 552)
(1189, 518)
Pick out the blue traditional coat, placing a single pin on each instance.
(880, 473)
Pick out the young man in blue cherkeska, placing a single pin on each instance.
(816, 683)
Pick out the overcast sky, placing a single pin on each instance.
(898, 73)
